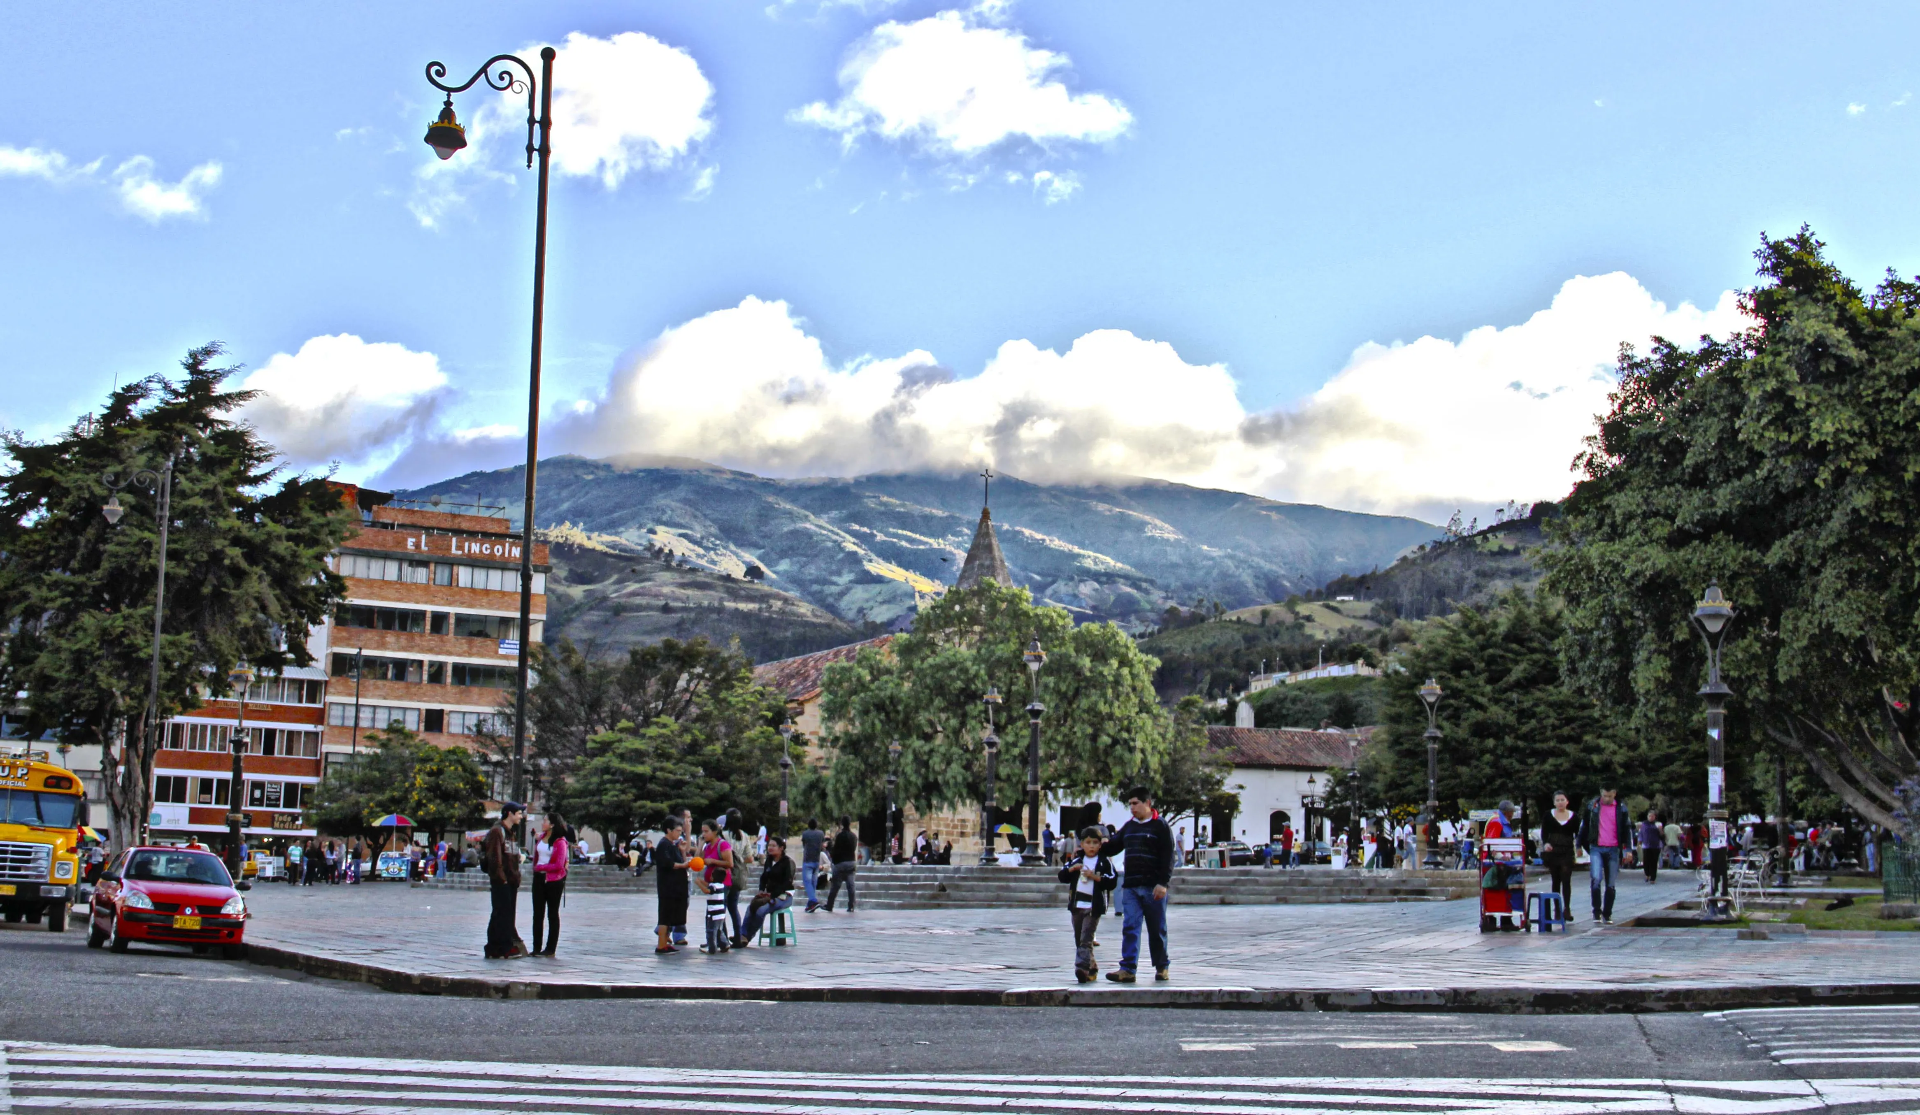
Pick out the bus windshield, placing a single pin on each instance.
(31, 807)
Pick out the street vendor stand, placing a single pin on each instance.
(1503, 883)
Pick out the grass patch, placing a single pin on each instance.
(1863, 914)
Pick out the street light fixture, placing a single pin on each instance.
(240, 677)
(893, 781)
(446, 136)
(162, 485)
(1034, 855)
(1430, 695)
(786, 770)
(1309, 810)
(1713, 615)
(992, 745)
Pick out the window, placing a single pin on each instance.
(285, 691)
(436, 720)
(437, 622)
(340, 715)
(472, 723)
(198, 737)
(178, 867)
(210, 791)
(374, 668)
(442, 573)
(485, 627)
(436, 673)
(497, 579)
(27, 807)
(170, 789)
(486, 677)
(380, 619)
(371, 568)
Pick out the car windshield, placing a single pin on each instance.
(29, 807)
(179, 867)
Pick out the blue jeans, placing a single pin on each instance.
(1138, 904)
(1603, 871)
(750, 924)
(809, 870)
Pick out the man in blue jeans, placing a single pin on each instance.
(1148, 845)
(1605, 832)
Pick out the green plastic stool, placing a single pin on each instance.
(779, 928)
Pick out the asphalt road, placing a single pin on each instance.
(61, 991)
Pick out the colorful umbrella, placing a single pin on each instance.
(393, 821)
(1015, 829)
(88, 832)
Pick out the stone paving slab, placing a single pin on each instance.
(1342, 956)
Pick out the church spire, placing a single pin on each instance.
(984, 560)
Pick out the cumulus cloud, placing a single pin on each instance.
(344, 399)
(622, 105)
(954, 86)
(1855, 108)
(140, 192)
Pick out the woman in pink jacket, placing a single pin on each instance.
(549, 881)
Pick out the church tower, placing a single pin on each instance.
(984, 560)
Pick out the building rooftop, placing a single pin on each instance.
(984, 561)
(1288, 748)
(798, 679)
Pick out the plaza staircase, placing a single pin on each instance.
(911, 887)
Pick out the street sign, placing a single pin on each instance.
(510, 646)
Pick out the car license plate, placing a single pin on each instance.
(6, 888)
(185, 923)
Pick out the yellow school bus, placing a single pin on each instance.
(42, 807)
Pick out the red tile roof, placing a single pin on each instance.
(1288, 748)
(798, 679)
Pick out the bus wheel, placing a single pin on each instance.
(57, 917)
(13, 916)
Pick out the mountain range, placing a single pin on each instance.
(868, 549)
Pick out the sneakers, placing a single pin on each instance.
(812, 907)
(1161, 975)
(1121, 975)
(1083, 976)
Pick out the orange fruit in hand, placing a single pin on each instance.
(696, 864)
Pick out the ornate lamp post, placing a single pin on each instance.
(992, 746)
(786, 770)
(162, 485)
(1309, 831)
(1035, 658)
(240, 677)
(893, 782)
(1355, 857)
(1712, 616)
(1430, 695)
(447, 137)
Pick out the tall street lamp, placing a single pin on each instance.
(786, 770)
(992, 746)
(1430, 695)
(162, 485)
(240, 677)
(893, 782)
(1035, 658)
(1355, 858)
(447, 137)
(1309, 832)
(354, 749)
(1712, 616)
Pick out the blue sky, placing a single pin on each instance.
(1332, 253)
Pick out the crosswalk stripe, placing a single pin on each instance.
(46, 1076)
(1831, 1036)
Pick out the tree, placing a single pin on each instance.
(1512, 726)
(438, 789)
(1783, 463)
(246, 570)
(1194, 775)
(1103, 727)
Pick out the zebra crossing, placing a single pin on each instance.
(1383, 1032)
(1876, 1038)
(37, 1077)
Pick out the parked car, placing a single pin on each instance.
(1237, 853)
(169, 896)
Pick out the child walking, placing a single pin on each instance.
(1091, 876)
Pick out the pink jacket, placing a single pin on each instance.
(555, 869)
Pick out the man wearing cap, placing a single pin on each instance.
(500, 857)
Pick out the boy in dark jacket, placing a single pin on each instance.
(1091, 875)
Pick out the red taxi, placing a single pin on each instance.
(170, 896)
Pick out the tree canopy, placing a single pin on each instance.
(1102, 728)
(246, 572)
(1782, 463)
(438, 789)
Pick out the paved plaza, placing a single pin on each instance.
(1381, 954)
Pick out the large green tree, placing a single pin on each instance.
(1783, 463)
(246, 571)
(438, 789)
(1102, 728)
(1512, 726)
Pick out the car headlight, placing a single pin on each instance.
(235, 907)
(134, 900)
(63, 869)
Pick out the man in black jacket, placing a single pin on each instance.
(1148, 844)
(841, 853)
(776, 891)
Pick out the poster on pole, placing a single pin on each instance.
(1716, 833)
(1716, 785)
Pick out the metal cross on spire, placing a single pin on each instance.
(986, 486)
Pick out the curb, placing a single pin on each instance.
(1491, 1000)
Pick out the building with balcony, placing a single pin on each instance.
(193, 768)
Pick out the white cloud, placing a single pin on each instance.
(38, 162)
(1856, 108)
(953, 86)
(622, 105)
(344, 399)
(145, 196)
